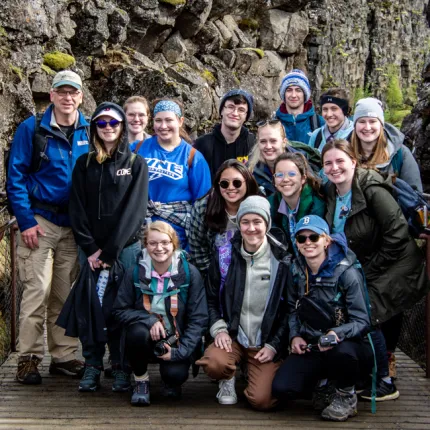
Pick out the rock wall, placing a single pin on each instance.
(198, 49)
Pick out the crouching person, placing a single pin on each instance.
(162, 308)
(328, 320)
(245, 286)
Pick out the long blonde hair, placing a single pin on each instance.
(380, 153)
(255, 157)
(102, 154)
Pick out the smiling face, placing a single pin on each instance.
(109, 135)
(291, 183)
(271, 143)
(232, 194)
(66, 99)
(234, 115)
(368, 130)
(137, 117)
(294, 97)
(333, 115)
(253, 230)
(167, 125)
(309, 249)
(339, 167)
(160, 247)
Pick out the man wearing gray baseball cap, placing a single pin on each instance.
(42, 158)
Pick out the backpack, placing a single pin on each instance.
(413, 205)
(315, 122)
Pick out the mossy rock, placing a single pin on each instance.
(2, 32)
(173, 2)
(17, 70)
(58, 60)
(206, 74)
(250, 23)
(258, 51)
(48, 70)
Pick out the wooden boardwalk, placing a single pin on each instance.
(56, 404)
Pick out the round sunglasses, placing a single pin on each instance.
(314, 238)
(225, 183)
(103, 124)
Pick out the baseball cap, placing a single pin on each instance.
(67, 77)
(313, 223)
(113, 113)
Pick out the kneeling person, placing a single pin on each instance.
(162, 308)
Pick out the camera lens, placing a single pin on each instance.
(160, 349)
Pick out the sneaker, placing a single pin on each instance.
(322, 396)
(90, 382)
(384, 392)
(27, 372)
(342, 406)
(140, 395)
(74, 368)
(392, 366)
(172, 392)
(227, 393)
(122, 381)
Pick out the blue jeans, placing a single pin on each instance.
(380, 353)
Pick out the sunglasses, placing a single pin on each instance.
(267, 121)
(279, 176)
(314, 238)
(103, 124)
(225, 183)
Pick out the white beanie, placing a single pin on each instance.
(255, 205)
(369, 107)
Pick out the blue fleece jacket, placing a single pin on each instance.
(52, 183)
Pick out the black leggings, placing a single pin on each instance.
(391, 330)
(139, 350)
(298, 375)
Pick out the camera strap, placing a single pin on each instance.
(173, 309)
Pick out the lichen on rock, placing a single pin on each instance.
(58, 60)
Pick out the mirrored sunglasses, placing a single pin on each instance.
(103, 124)
(225, 183)
(314, 237)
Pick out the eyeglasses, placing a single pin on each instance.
(114, 123)
(163, 243)
(225, 183)
(279, 176)
(233, 108)
(267, 121)
(139, 115)
(314, 238)
(63, 93)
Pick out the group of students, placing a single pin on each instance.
(300, 260)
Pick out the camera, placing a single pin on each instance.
(329, 340)
(160, 347)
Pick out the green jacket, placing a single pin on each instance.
(310, 204)
(378, 234)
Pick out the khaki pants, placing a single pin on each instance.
(219, 364)
(47, 273)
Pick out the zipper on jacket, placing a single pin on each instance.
(100, 190)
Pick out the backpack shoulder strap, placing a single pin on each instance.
(132, 158)
(397, 162)
(40, 142)
(90, 154)
(318, 139)
(191, 157)
(314, 122)
(136, 150)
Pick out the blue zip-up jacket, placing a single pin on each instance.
(298, 128)
(52, 183)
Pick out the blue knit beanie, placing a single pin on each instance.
(298, 78)
(238, 92)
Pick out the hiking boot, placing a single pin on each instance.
(90, 382)
(140, 395)
(171, 392)
(27, 372)
(392, 366)
(122, 381)
(342, 406)
(74, 368)
(384, 392)
(322, 396)
(227, 393)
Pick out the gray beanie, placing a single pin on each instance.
(369, 107)
(255, 205)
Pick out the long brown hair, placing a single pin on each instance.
(182, 132)
(379, 155)
(303, 166)
(340, 144)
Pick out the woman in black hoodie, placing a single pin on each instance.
(107, 207)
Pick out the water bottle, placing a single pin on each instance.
(101, 284)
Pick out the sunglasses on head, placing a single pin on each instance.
(267, 121)
(103, 124)
(225, 183)
(314, 237)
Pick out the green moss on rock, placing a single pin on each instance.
(58, 60)
(17, 70)
(48, 70)
(250, 23)
(2, 32)
(258, 51)
(206, 74)
(173, 2)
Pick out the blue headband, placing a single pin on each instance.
(168, 106)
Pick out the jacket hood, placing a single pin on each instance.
(123, 146)
(308, 110)
(221, 139)
(368, 177)
(395, 140)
